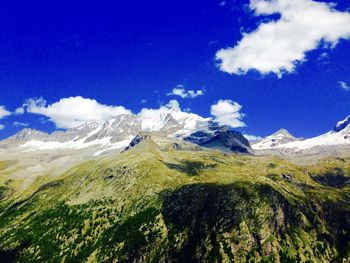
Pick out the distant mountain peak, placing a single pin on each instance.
(27, 134)
(168, 122)
(337, 138)
(284, 132)
(280, 137)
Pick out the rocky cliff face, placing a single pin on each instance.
(221, 138)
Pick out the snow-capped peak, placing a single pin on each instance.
(115, 132)
(171, 119)
(339, 136)
(283, 133)
(280, 137)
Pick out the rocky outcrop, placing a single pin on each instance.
(138, 139)
(221, 138)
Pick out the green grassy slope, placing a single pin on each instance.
(152, 205)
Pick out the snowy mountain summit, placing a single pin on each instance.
(338, 137)
(119, 131)
(173, 123)
(280, 137)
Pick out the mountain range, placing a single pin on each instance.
(335, 142)
(116, 134)
(173, 187)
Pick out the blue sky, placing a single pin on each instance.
(134, 53)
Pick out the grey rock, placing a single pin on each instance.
(27, 134)
(221, 138)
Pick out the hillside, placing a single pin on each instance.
(162, 202)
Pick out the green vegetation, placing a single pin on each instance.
(148, 205)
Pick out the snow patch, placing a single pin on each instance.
(34, 145)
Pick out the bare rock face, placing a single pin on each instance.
(220, 138)
(118, 128)
(138, 139)
(27, 135)
(76, 134)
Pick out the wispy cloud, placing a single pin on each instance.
(213, 42)
(3, 112)
(222, 3)
(185, 94)
(344, 85)
(279, 46)
(20, 124)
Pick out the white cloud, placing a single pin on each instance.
(227, 112)
(183, 93)
(73, 111)
(278, 46)
(3, 112)
(20, 124)
(344, 85)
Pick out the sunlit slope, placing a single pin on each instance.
(158, 204)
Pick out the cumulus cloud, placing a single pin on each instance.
(3, 112)
(185, 94)
(73, 111)
(278, 46)
(227, 112)
(344, 85)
